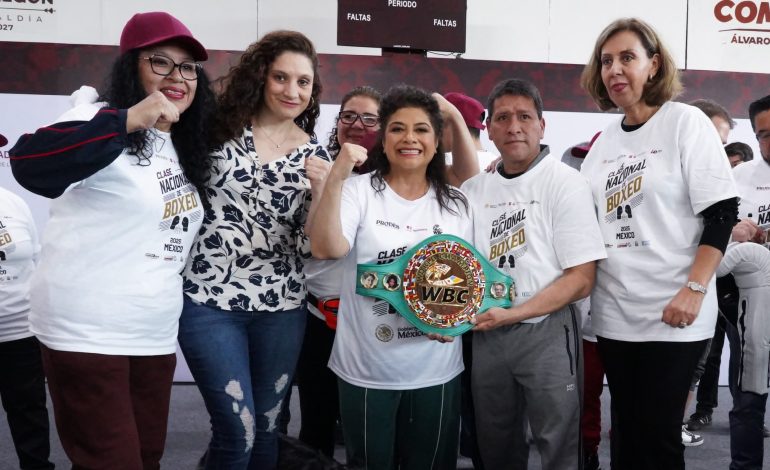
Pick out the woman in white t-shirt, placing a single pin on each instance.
(358, 122)
(22, 383)
(399, 391)
(107, 294)
(666, 203)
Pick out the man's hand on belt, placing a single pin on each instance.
(440, 338)
(494, 318)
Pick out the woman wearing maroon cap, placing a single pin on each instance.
(107, 294)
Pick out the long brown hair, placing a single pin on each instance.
(243, 86)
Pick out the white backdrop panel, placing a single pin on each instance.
(738, 43)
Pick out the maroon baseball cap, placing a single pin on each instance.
(471, 109)
(147, 29)
(581, 150)
(3, 140)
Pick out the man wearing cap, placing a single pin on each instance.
(473, 115)
(534, 219)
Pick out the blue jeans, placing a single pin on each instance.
(243, 363)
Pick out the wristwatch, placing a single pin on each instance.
(697, 287)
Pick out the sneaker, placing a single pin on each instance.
(698, 421)
(690, 439)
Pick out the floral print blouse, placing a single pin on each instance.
(249, 252)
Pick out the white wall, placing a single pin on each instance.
(556, 31)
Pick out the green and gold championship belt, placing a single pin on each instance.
(439, 285)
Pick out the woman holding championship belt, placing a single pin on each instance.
(399, 391)
(666, 203)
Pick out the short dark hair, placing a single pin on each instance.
(713, 109)
(515, 87)
(405, 96)
(756, 107)
(664, 86)
(740, 149)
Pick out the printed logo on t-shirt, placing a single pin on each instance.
(406, 332)
(7, 247)
(387, 256)
(181, 210)
(507, 238)
(386, 223)
(763, 215)
(7, 244)
(624, 193)
(410, 228)
(383, 333)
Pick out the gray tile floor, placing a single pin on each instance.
(189, 432)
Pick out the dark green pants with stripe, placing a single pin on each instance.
(405, 429)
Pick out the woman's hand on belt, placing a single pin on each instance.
(683, 308)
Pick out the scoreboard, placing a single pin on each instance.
(431, 25)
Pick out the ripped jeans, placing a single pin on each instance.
(243, 364)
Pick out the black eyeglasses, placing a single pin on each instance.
(163, 66)
(350, 117)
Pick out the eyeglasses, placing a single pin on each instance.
(163, 66)
(350, 117)
(763, 136)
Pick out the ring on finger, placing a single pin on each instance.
(682, 324)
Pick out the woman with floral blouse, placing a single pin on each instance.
(243, 320)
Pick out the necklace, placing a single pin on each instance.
(277, 145)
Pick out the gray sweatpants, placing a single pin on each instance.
(532, 371)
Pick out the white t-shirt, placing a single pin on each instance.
(323, 278)
(536, 225)
(648, 186)
(109, 279)
(375, 347)
(753, 181)
(19, 248)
